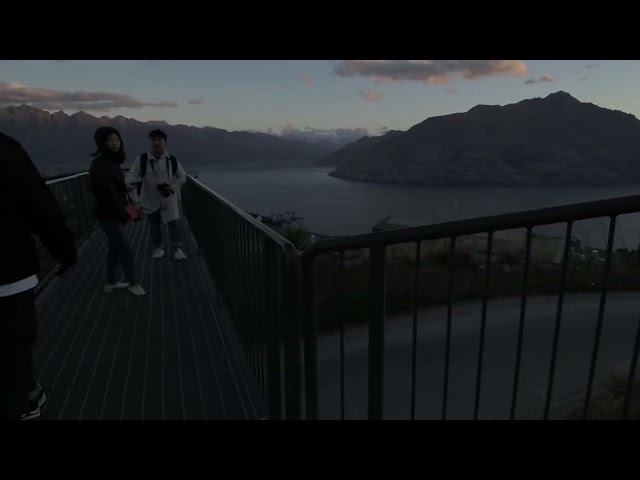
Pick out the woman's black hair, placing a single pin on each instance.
(100, 138)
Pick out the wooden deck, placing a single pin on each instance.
(167, 355)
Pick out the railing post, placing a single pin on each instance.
(556, 334)
(310, 338)
(598, 333)
(628, 391)
(483, 324)
(273, 330)
(289, 302)
(377, 295)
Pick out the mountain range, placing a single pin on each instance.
(355, 148)
(551, 141)
(61, 139)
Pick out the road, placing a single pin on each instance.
(574, 353)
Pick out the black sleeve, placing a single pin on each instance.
(105, 192)
(40, 209)
(99, 181)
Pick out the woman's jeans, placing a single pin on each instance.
(120, 251)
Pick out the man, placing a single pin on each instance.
(29, 208)
(160, 177)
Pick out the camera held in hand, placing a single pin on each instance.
(165, 189)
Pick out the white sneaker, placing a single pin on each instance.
(158, 253)
(137, 290)
(180, 255)
(110, 287)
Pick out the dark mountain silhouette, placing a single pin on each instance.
(59, 138)
(550, 141)
(353, 149)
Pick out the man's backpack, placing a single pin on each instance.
(143, 167)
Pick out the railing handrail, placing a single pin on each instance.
(256, 272)
(494, 223)
(66, 178)
(286, 246)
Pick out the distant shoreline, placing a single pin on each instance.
(472, 186)
(254, 166)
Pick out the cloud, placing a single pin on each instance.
(584, 79)
(592, 66)
(59, 61)
(199, 101)
(12, 93)
(370, 94)
(307, 79)
(451, 90)
(428, 71)
(383, 80)
(543, 78)
(336, 135)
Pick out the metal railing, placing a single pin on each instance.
(257, 279)
(74, 197)
(377, 243)
(255, 272)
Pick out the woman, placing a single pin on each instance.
(110, 194)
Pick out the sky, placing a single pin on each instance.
(308, 97)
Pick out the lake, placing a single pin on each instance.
(331, 206)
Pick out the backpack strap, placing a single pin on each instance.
(143, 171)
(143, 165)
(144, 160)
(174, 165)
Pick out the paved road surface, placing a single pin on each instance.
(576, 343)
